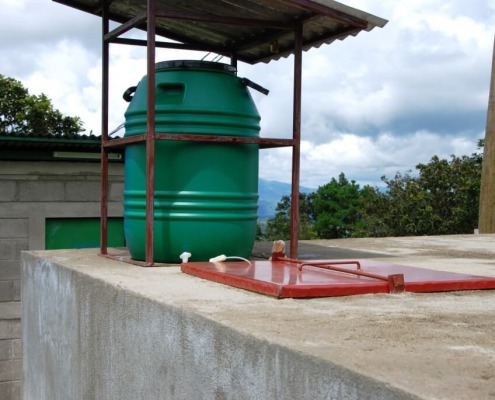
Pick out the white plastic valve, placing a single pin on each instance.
(221, 257)
(185, 257)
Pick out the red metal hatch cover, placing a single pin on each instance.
(284, 277)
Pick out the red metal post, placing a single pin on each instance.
(150, 133)
(296, 148)
(104, 133)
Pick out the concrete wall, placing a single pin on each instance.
(10, 351)
(102, 331)
(30, 192)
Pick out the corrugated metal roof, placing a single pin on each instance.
(37, 141)
(233, 30)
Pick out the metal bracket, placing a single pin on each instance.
(396, 283)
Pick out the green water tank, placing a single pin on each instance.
(206, 194)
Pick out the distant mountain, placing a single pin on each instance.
(270, 193)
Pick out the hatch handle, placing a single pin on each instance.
(255, 86)
(128, 94)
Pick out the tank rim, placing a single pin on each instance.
(195, 64)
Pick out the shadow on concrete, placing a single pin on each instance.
(309, 251)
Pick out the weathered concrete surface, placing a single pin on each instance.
(32, 192)
(10, 351)
(97, 328)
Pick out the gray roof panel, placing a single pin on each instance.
(234, 31)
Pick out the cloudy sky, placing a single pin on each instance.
(373, 105)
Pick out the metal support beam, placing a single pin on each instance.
(125, 27)
(169, 45)
(104, 133)
(150, 133)
(264, 143)
(296, 137)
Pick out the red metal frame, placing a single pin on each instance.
(263, 143)
(296, 137)
(104, 131)
(151, 135)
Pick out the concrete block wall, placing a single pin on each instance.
(31, 192)
(14, 234)
(10, 351)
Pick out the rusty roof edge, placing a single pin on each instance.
(354, 12)
(81, 7)
(315, 44)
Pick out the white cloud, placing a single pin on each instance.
(362, 158)
(373, 104)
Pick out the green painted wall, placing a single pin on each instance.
(78, 233)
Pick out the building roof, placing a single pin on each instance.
(251, 30)
(21, 146)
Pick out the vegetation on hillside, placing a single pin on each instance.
(442, 199)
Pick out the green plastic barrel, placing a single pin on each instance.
(206, 194)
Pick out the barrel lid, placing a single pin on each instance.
(186, 64)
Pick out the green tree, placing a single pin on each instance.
(373, 209)
(278, 227)
(442, 199)
(410, 210)
(337, 208)
(453, 189)
(23, 113)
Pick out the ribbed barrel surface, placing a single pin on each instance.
(206, 194)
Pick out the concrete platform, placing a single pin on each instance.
(98, 328)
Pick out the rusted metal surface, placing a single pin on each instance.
(264, 143)
(284, 279)
(104, 135)
(296, 137)
(126, 26)
(120, 142)
(150, 133)
(248, 36)
(168, 45)
(396, 283)
(125, 257)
